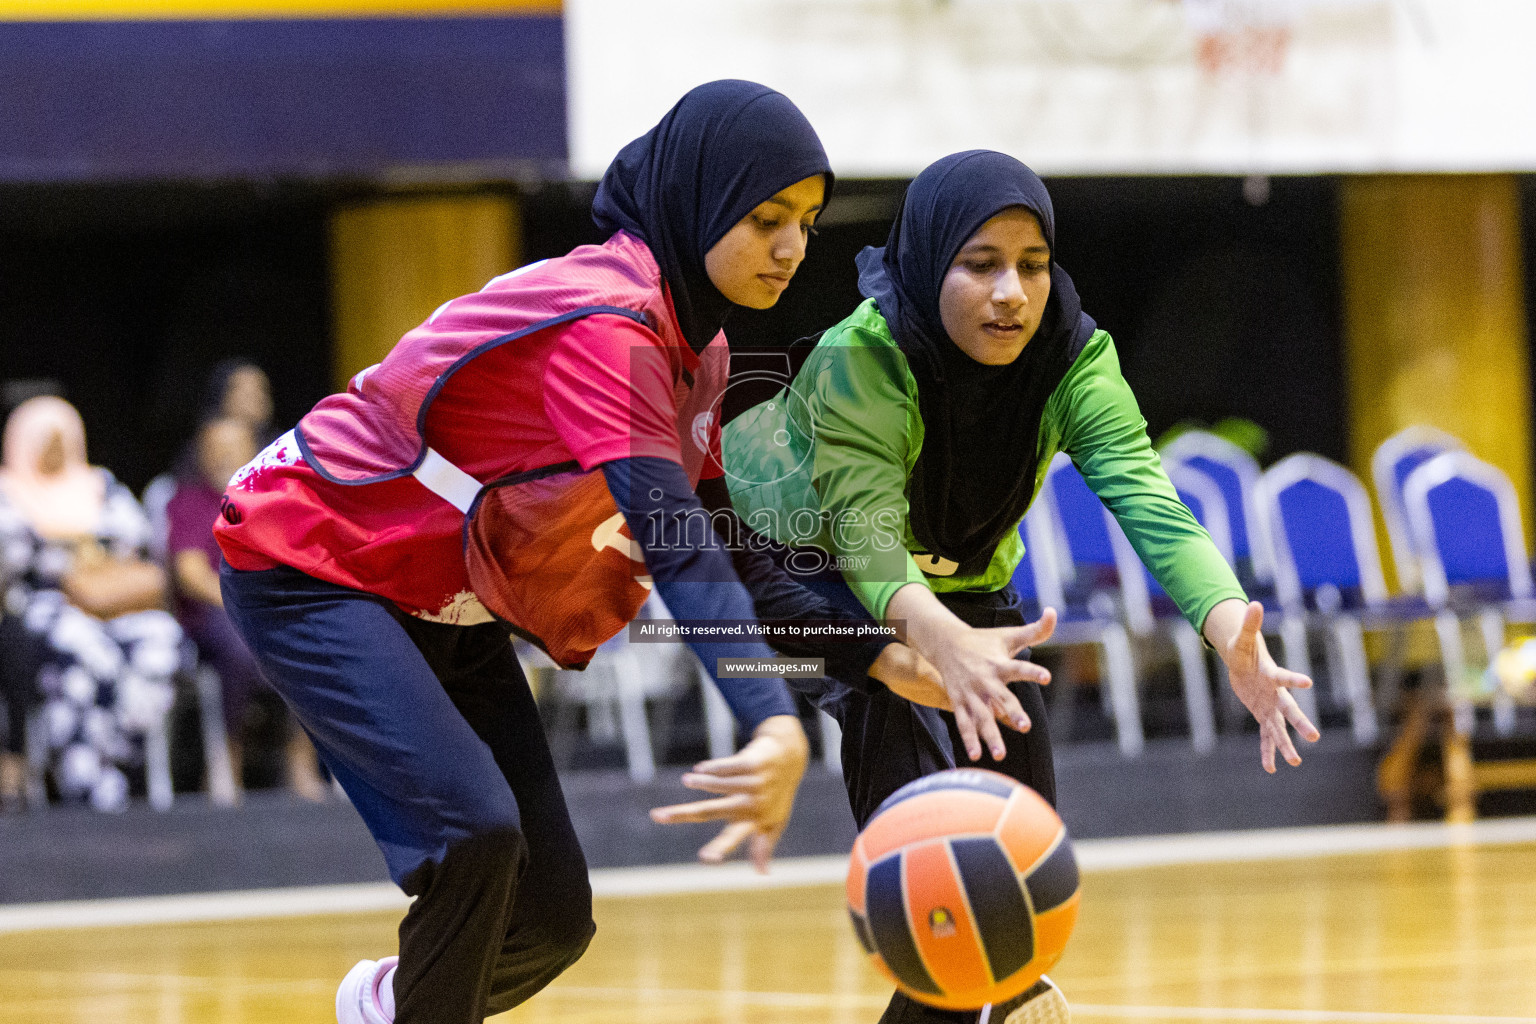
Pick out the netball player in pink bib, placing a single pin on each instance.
(531, 459)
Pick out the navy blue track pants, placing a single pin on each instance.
(433, 732)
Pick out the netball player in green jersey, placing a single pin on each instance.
(909, 447)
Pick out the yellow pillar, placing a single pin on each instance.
(393, 261)
(1434, 317)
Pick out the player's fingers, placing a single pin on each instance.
(724, 844)
(722, 783)
(1037, 632)
(739, 763)
(734, 806)
(1046, 623)
(1005, 707)
(1283, 739)
(1018, 721)
(990, 734)
(761, 850)
(967, 729)
(1253, 620)
(1291, 680)
(1016, 671)
(1298, 718)
(1267, 750)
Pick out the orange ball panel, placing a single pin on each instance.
(941, 920)
(947, 812)
(1052, 930)
(999, 993)
(858, 872)
(1028, 829)
(977, 998)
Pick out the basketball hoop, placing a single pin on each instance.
(1249, 37)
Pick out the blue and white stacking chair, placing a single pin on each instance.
(1088, 531)
(1466, 530)
(1204, 498)
(1394, 459)
(1201, 495)
(615, 688)
(1236, 474)
(1038, 579)
(1327, 565)
(624, 676)
(1106, 568)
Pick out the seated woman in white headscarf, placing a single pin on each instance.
(73, 540)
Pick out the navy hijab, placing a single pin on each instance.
(724, 148)
(975, 475)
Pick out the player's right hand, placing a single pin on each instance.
(757, 786)
(910, 676)
(976, 666)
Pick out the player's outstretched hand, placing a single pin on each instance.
(756, 787)
(910, 676)
(976, 666)
(1265, 688)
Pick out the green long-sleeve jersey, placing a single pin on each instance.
(827, 462)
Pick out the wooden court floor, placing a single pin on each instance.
(1444, 936)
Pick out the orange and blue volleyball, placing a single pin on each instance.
(963, 888)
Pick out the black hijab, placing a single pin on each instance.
(725, 147)
(975, 475)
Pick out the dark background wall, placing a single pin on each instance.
(1219, 307)
(127, 295)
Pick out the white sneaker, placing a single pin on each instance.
(1042, 1003)
(357, 999)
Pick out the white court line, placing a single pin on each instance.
(670, 879)
(304, 901)
(1093, 855)
(1295, 843)
(1098, 854)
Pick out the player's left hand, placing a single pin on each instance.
(912, 677)
(757, 787)
(1264, 688)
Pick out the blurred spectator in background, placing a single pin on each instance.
(238, 389)
(74, 541)
(223, 445)
(19, 659)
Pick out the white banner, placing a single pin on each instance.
(1084, 86)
